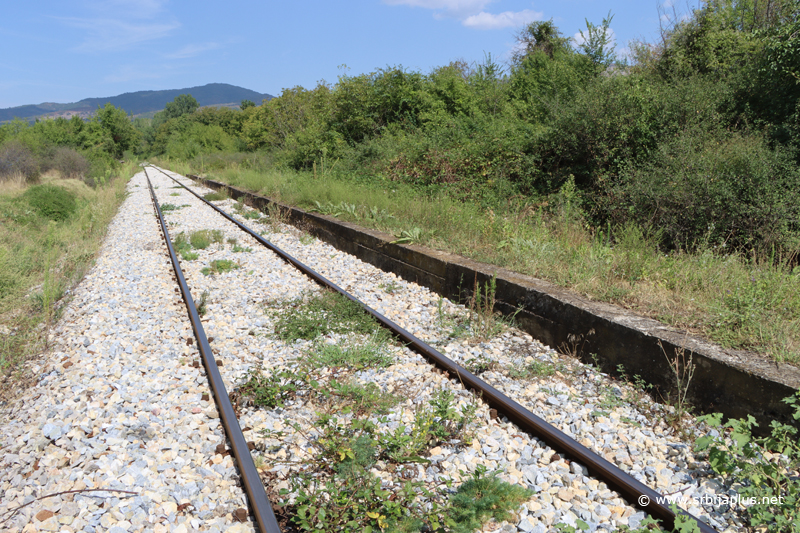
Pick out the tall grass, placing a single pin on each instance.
(740, 302)
(40, 259)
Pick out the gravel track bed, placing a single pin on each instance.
(614, 419)
(120, 405)
(115, 408)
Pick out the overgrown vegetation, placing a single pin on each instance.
(667, 182)
(765, 469)
(49, 235)
(321, 314)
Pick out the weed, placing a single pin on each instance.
(532, 369)
(361, 399)
(268, 389)
(390, 287)
(232, 240)
(482, 319)
(219, 266)
(51, 201)
(482, 497)
(202, 304)
(307, 239)
(165, 208)
(682, 369)
(202, 239)
(326, 312)
(370, 353)
(479, 365)
(174, 194)
(411, 236)
(216, 196)
(238, 249)
(763, 466)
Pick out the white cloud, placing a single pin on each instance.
(506, 19)
(191, 50)
(105, 35)
(452, 8)
(131, 73)
(471, 13)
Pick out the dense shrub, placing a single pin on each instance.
(69, 163)
(50, 201)
(729, 190)
(17, 159)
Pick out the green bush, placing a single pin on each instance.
(730, 191)
(50, 201)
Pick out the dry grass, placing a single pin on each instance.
(41, 259)
(751, 303)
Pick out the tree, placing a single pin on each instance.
(183, 104)
(541, 36)
(246, 104)
(120, 128)
(598, 43)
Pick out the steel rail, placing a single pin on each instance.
(253, 486)
(635, 492)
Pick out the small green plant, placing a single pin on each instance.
(323, 313)
(306, 239)
(239, 249)
(266, 389)
(202, 239)
(181, 245)
(765, 467)
(411, 236)
(216, 196)
(369, 353)
(479, 365)
(174, 194)
(390, 287)
(532, 369)
(165, 208)
(202, 304)
(219, 266)
(482, 317)
(682, 369)
(482, 497)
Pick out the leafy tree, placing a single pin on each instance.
(246, 104)
(597, 43)
(120, 129)
(540, 36)
(183, 104)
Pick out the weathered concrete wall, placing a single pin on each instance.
(736, 383)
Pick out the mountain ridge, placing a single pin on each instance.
(135, 103)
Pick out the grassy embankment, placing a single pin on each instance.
(751, 303)
(50, 234)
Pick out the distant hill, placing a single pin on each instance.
(138, 103)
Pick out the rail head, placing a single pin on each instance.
(260, 506)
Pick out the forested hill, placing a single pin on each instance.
(139, 102)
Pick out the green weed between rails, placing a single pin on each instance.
(760, 466)
(202, 304)
(202, 239)
(550, 240)
(166, 208)
(321, 314)
(338, 492)
(370, 352)
(219, 266)
(42, 258)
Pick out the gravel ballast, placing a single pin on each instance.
(121, 406)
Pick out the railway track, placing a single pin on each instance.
(539, 434)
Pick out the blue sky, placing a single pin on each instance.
(63, 51)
